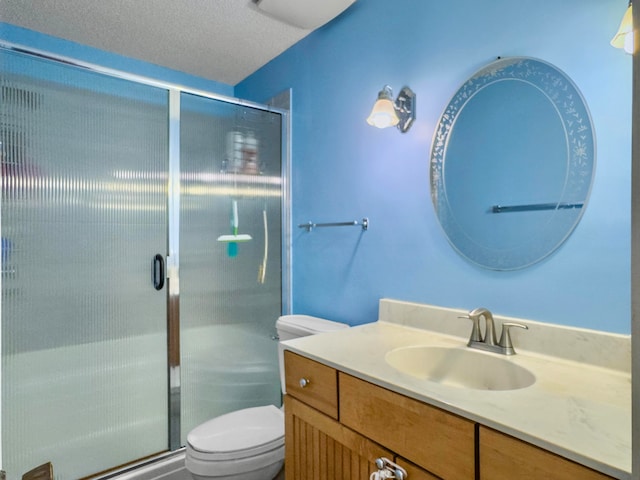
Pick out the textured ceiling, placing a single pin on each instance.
(222, 40)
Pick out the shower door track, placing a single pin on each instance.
(112, 72)
(173, 308)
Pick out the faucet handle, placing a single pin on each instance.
(476, 336)
(505, 338)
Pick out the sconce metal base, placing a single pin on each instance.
(406, 108)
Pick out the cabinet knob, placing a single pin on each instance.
(304, 382)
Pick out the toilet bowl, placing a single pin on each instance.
(248, 444)
(244, 445)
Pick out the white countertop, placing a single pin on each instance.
(577, 410)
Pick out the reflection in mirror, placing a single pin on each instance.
(512, 163)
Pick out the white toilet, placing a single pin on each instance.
(248, 444)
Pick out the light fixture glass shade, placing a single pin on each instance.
(624, 37)
(384, 114)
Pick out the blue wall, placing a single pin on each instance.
(47, 43)
(344, 169)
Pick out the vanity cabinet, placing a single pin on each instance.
(336, 425)
(373, 423)
(503, 457)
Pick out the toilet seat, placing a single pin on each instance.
(239, 434)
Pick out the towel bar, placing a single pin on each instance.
(310, 225)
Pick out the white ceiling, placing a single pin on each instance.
(222, 40)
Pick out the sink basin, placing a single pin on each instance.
(460, 367)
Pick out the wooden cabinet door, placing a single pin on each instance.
(434, 439)
(504, 458)
(319, 448)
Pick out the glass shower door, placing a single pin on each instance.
(84, 213)
(230, 258)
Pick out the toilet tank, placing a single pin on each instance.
(296, 326)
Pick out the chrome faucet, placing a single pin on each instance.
(488, 341)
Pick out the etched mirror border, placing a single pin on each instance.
(563, 94)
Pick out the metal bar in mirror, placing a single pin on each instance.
(535, 206)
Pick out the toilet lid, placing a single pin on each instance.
(239, 434)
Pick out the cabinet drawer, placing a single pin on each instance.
(503, 458)
(320, 387)
(440, 442)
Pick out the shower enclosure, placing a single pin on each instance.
(126, 319)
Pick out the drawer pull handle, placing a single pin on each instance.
(304, 382)
(388, 470)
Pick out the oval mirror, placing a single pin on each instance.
(512, 163)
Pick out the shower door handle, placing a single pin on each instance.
(158, 272)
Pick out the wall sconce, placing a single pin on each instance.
(624, 37)
(387, 113)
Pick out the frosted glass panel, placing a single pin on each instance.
(84, 201)
(230, 294)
